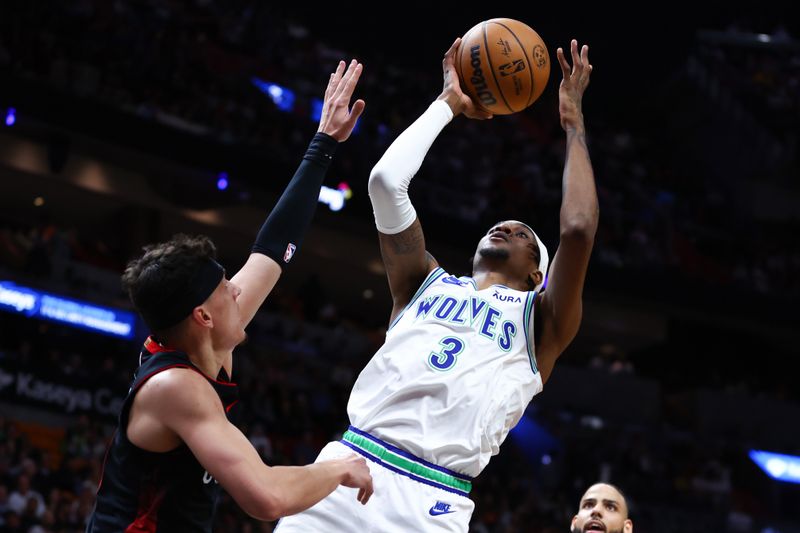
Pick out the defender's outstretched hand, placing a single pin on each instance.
(358, 476)
(338, 119)
(576, 79)
(452, 93)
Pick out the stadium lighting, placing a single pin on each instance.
(222, 181)
(316, 109)
(281, 96)
(335, 198)
(534, 440)
(11, 117)
(778, 466)
(72, 312)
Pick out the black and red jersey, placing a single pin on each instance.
(142, 491)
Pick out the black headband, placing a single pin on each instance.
(177, 301)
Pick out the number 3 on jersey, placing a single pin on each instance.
(445, 358)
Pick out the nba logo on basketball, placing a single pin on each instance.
(287, 256)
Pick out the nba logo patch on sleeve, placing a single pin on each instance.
(287, 256)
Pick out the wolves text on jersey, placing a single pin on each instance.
(472, 312)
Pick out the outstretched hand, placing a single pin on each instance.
(576, 79)
(357, 476)
(338, 119)
(452, 93)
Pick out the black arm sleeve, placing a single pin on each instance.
(285, 227)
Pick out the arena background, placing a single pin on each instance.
(125, 122)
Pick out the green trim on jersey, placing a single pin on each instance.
(527, 320)
(406, 465)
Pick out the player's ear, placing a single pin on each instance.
(628, 527)
(202, 317)
(536, 277)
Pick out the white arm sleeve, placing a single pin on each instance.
(389, 179)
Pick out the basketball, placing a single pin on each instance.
(503, 65)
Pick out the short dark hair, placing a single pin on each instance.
(164, 266)
(622, 494)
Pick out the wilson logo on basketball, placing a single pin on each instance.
(517, 65)
(478, 81)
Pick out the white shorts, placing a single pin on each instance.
(410, 495)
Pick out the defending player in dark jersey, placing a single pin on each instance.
(175, 443)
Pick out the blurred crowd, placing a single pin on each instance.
(763, 70)
(39, 496)
(190, 66)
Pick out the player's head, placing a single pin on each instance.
(518, 248)
(602, 509)
(179, 284)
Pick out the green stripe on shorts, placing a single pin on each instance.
(398, 461)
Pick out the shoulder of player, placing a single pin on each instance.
(181, 389)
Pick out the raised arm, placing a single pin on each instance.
(282, 233)
(560, 306)
(401, 238)
(197, 418)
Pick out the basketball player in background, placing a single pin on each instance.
(175, 444)
(463, 356)
(602, 509)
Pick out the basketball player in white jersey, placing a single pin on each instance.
(463, 356)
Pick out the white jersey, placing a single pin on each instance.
(455, 374)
